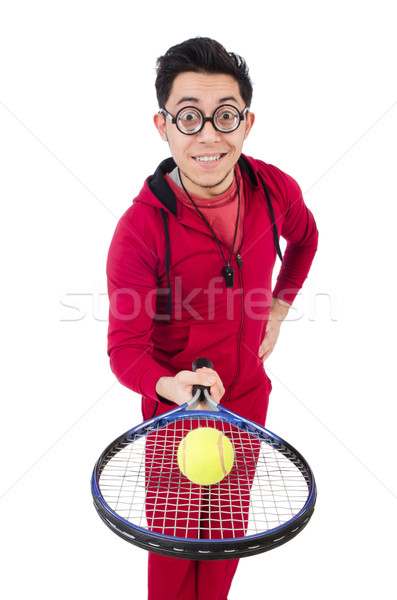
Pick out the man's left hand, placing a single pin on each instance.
(278, 312)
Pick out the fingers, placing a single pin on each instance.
(184, 381)
(188, 378)
(271, 336)
(265, 350)
(268, 344)
(265, 354)
(211, 378)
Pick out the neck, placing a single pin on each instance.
(209, 191)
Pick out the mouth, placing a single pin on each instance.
(209, 159)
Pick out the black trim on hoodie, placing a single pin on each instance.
(160, 188)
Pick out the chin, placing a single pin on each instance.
(210, 182)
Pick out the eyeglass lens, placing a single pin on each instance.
(190, 119)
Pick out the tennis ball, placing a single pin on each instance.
(205, 456)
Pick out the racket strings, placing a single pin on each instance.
(143, 484)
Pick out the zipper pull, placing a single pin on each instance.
(239, 261)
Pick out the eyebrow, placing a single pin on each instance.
(196, 100)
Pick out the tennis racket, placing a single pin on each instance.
(141, 494)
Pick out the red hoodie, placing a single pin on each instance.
(158, 244)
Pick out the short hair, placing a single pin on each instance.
(200, 55)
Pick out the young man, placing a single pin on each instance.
(190, 266)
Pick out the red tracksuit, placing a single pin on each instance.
(169, 305)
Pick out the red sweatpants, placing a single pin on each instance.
(181, 579)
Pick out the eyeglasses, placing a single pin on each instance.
(190, 120)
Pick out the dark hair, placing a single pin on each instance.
(200, 55)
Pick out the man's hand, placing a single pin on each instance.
(179, 389)
(278, 312)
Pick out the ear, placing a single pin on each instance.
(250, 120)
(159, 121)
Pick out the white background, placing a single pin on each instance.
(76, 142)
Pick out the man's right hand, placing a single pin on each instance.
(179, 389)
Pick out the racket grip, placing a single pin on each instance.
(205, 391)
(201, 362)
(197, 364)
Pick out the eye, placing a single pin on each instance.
(227, 115)
(188, 120)
(227, 118)
(189, 116)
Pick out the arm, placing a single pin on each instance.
(132, 284)
(300, 230)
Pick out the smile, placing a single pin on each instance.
(209, 159)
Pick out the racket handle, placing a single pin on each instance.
(197, 364)
(201, 362)
(205, 390)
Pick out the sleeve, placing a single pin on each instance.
(132, 288)
(300, 231)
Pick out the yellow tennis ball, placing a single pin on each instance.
(205, 456)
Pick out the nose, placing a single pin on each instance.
(208, 132)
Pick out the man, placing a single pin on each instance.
(191, 261)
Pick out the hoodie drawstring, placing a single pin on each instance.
(167, 260)
(274, 226)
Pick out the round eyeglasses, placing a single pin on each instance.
(190, 120)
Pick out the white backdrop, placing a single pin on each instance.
(76, 142)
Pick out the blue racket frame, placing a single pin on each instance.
(198, 549)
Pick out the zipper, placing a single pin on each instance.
(241, 281)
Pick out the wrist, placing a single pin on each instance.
(279, 308)
(162, 387)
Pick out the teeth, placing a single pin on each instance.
(208, 158)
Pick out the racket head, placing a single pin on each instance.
(142, 496)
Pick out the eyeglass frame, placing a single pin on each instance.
(174, 120)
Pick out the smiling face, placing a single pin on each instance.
(206, 159)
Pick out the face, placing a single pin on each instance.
(200, 176)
